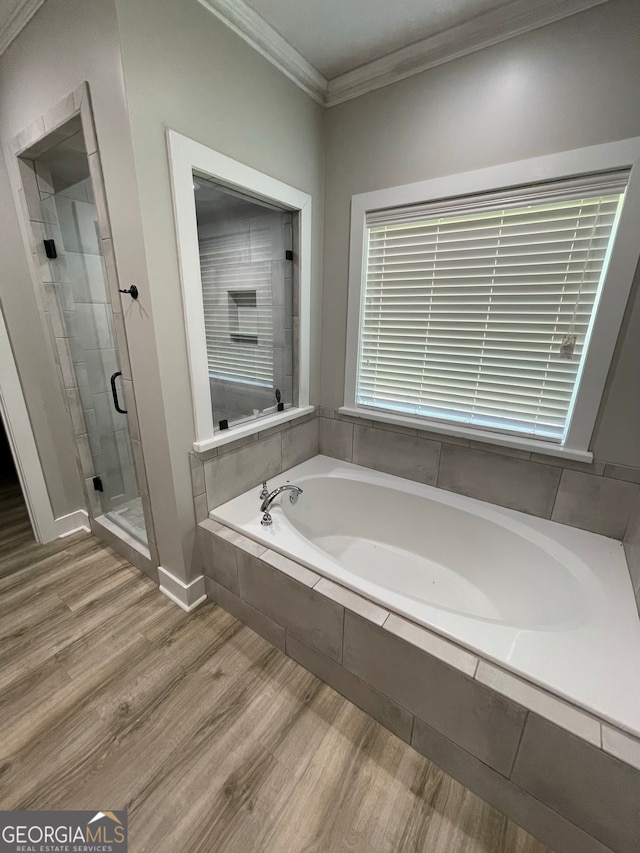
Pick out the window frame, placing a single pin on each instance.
(609, 309)
(186, 156)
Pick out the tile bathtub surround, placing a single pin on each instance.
(598, 497)
(474, 719)
(228, 471)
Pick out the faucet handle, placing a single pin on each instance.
(265, 491)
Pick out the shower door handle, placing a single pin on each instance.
(114, 392)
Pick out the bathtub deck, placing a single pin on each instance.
(212, 739)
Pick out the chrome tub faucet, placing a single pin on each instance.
(269, 497)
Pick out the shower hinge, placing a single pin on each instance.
(50, 249)
(288, 255)
(97, 484)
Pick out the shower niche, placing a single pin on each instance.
(64, 197)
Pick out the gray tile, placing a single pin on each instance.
(335, 439)
(230, 474)
(351, 601)
(392, 716)
(252, 547)
(200, 507)
(140, 468)
(552, 829)
(148, 520)
(75, 410)
(305, 613)
(197, 476)
(503, 480)
(109, 538)
(599, 504)
(590, 788)
(146, 566)
(123, 349)
(622, 472)
(515, 452)
(218, 559)
(59, 113)
(249, 616)
(327, 412)
(290, 567)
(299, 444)
(594, 467)
(97, 180)
(632, 546)
(412, 457)
(481, 721)
(398, 428)
(93, 498)
(84, 455)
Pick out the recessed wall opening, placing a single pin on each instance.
(246, 268)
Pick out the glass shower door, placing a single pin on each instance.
(83, 297)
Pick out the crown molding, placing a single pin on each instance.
(516, 18)
(483, 31)
(19, 18)
(253, 28)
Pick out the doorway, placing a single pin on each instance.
(61, 178)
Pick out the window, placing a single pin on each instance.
(475, 314)
(244, 242)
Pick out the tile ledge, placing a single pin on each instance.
(432, 643)
(584, 725)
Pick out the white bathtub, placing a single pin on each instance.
(549, 602)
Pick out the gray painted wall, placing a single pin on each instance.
(185, 70)
(568, 85)
(66, 43)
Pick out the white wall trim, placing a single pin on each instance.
(253, 28)
(74, 522)
(615, 291)
(487, 29)
(17, 20)
(185, 155)
(187, 596)
(483, 31)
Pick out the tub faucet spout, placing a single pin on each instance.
(266, 503)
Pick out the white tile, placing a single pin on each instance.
(432, 644)
(622, 746)
(367, 609)
(289, 567)
(566, 716)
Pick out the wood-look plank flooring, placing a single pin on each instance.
(112, 698)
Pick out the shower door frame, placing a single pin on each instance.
(39, 137)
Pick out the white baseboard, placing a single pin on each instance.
(187, 596)
(72, 523)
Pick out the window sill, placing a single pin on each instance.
(499, 439)
(251, 428)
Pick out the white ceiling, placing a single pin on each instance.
(339, 49)
(339, 35)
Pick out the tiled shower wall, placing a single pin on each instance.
(72, 115)
(599, 497)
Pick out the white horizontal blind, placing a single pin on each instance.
(466, 305)
(231, 266)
